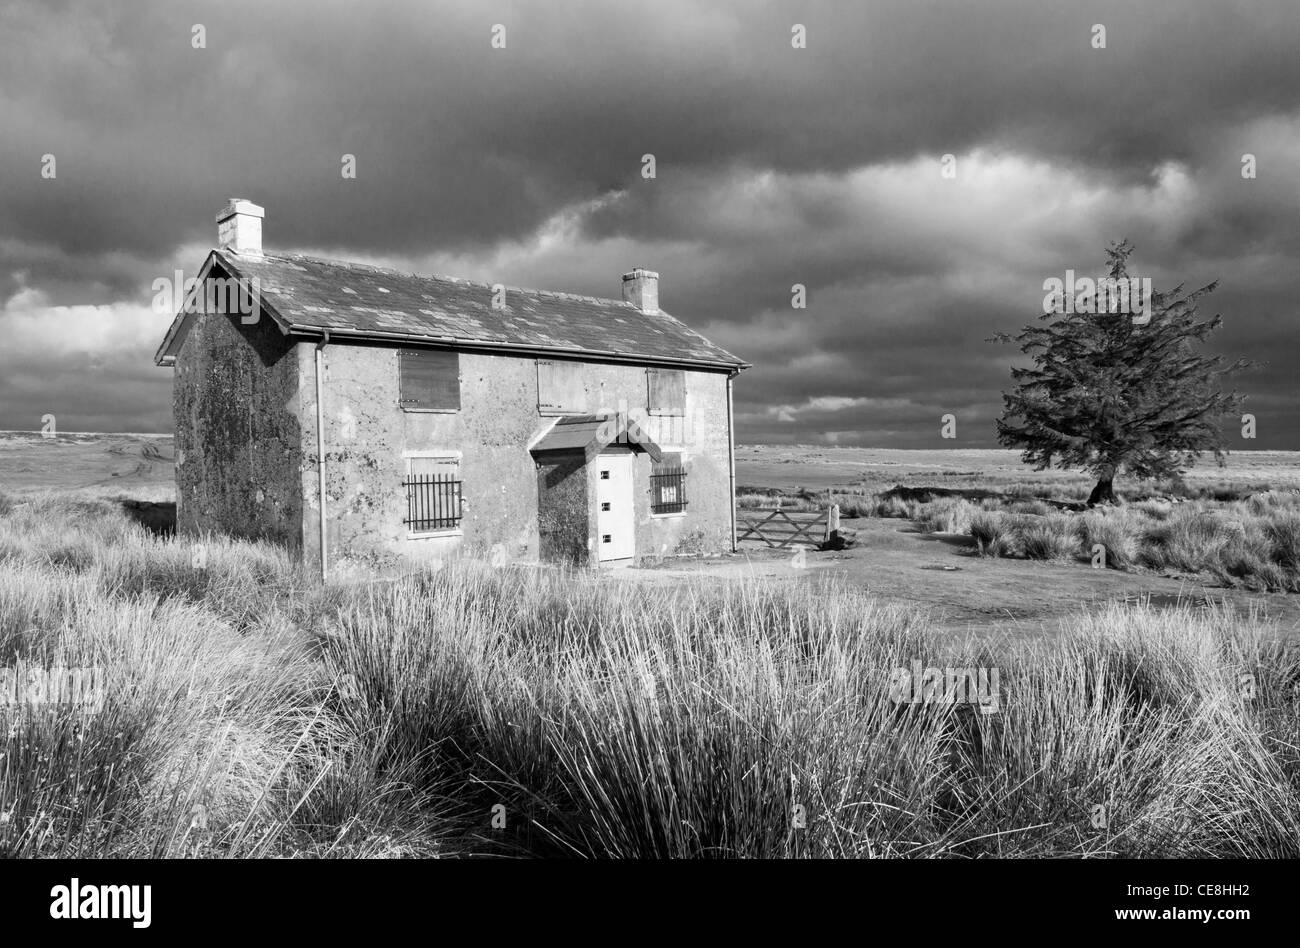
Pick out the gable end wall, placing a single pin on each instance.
(238, 436)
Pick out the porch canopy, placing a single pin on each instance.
(592, 434)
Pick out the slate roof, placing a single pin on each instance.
(308, 295)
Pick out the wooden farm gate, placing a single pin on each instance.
(780, 527)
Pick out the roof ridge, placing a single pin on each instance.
(308, 293)
(354, 265)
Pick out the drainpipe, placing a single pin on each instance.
(320, 446)
(731, 458)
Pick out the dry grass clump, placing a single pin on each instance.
(993, 537)
(945, 515)
(1116, 531)
(894, 506)
(1254, 543)
(1048, 537)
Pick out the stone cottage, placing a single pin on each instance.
(365, 416)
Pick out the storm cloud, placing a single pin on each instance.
(775, 166)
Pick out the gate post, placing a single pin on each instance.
(832, 521)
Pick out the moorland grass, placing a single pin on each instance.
(1253, 543)
(252, 712)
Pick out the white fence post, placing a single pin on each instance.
(832, 521)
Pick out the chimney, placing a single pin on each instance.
(641, 289)
(239, 226)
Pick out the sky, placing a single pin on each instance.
(775, 164)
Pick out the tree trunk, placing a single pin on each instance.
(1104, 492)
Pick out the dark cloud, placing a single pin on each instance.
(775, 166)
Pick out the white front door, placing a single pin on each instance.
(615, 520)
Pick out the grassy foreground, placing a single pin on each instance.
(250, 712)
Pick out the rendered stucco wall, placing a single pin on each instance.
(368, 434)
(238, 436)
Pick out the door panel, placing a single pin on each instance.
(615, 519)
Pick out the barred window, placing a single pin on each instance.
(433, 494)
(668, 485)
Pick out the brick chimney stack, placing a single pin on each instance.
(239, 226)
(641, 289)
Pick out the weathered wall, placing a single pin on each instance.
(701, 437)
(367, 433)
(238, 436)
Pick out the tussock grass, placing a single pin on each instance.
(945, 515)
(1186, 542)
(853, 507)
(894, 506)
(1115, 531)
(1048, 537)
(1139, 722)
(195, 723)
(1283, 532)
(1035, 507)
(1254, 542)
(991, 533)
(251, 712)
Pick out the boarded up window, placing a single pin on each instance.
(560, 387)
(667, 391)
(430, 380)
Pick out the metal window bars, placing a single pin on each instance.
(668, 490)
(433, 502)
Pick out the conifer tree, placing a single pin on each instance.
(1109, 392)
